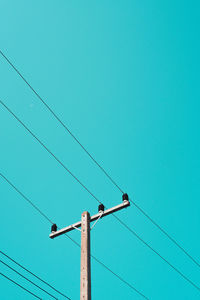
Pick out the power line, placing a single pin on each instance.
(21, 286)
(108, 269)
(7, 256)
(125, 225)
(44, 216)
(164, 232)
(49, 151)
(157, 253)
(77, 244)
(95, 161)
(27, 279)
(28, 200)
(58, 119)
(119, 277)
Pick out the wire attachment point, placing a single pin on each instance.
(101, 214)
(76, 228)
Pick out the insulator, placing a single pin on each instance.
(101, 207)
(125, 197)
(53, 228)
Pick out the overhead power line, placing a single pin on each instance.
(157, 253)
(58, 119)
(77, 244)
(95, 161)
(28, 200)
(39, 278)
(49, 151)
(164, 232)
(28, 291)
(27, 279)
(109, 270)
(119, 277)
(125, 225)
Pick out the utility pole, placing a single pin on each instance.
(85, 280)
(85, 290)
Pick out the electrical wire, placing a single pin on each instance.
(157, 253)
(108, 269)
(58, 119)
(77, 244)
(49, 151)
(44, 216)
(18, 264)
(119, 277)
(164, 232)
(20, 286)
(95, 161)
(27, 279)
(126, 226)
(28, 200)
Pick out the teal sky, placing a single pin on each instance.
(124, 77)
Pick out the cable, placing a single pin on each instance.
(163, 231)
(29, 201)
(128, 284)
(108, 269)
(49, 151)
(95, 161)
(157, 253)
(27, 279)
(126, 226)
(44, 216)
(3, 253)
(59, 120)
(21, 286)
(77, 244)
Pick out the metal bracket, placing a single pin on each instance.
(76, 228)
(101, 214)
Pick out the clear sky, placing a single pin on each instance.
(124, 77)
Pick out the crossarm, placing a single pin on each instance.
(107, 212)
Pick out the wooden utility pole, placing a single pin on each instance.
(85, 286)
(85, 289)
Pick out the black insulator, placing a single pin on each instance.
(125, 197)
(101, 207)
(53, 228)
